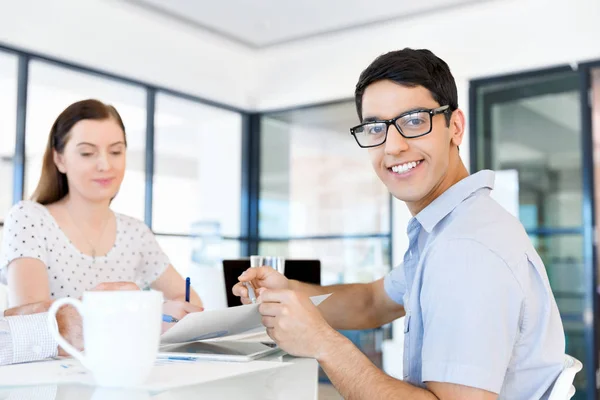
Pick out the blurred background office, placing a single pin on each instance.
(237, 116)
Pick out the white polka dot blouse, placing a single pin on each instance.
(31, 231)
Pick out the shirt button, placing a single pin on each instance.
(37, 349)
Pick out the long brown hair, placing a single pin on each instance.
(53, 184)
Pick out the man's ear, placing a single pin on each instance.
(457, 127)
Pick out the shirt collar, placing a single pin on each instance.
(431, 215)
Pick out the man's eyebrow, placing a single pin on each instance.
(373, 119)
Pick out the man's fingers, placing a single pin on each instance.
(268, 322)
(257, 273)
(277, 295)
(240, 290)
(245, 300)
(270, 309)
(248, 275)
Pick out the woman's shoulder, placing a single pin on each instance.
(26, 209)
(129, 224)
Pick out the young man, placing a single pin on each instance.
(481, 320)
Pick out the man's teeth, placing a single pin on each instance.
(405, 167)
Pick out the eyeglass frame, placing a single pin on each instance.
(388, 122)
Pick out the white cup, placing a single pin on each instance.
(121, 334)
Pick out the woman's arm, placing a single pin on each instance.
(27, 282)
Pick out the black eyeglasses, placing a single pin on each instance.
(411, 124)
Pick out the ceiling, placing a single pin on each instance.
(263, 23)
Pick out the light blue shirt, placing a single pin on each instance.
(479, 308)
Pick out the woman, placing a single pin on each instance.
(67, 240)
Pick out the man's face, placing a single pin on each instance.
(412, 168)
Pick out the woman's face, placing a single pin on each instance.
(94, 159)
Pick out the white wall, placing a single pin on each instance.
(124, 39)
(489, 38)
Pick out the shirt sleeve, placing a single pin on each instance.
(394, 284)
(154, 261)
(25, 338)
(23, 237)
(471, 304)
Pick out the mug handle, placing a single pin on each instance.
(53, 326)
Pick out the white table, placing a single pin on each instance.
(297, 381)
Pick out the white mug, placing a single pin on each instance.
(121, 334)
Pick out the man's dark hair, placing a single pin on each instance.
(409, 67)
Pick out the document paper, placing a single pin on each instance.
(219, 323)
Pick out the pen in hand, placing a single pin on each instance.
(187, 290)
(251, 293)
(169, 319)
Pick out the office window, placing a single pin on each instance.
(315, 180)
(185, 251)
(8, 119)
(51, 90)
(344, 260)
(318, 193)
(595, 81)
(197, 190)
(532, 126)
(320, 199)
(196, 205)
(197, 181)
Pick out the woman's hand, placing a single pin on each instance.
(177, 309)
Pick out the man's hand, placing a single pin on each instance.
(177, 309)
(67, 318)
(260, 278)
(294, 322)
(70, 327)
(69, 321)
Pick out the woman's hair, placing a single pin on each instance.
(53, 184)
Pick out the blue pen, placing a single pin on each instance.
(169, 319)
(182, 358)
(187, 289)
(173, 360)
